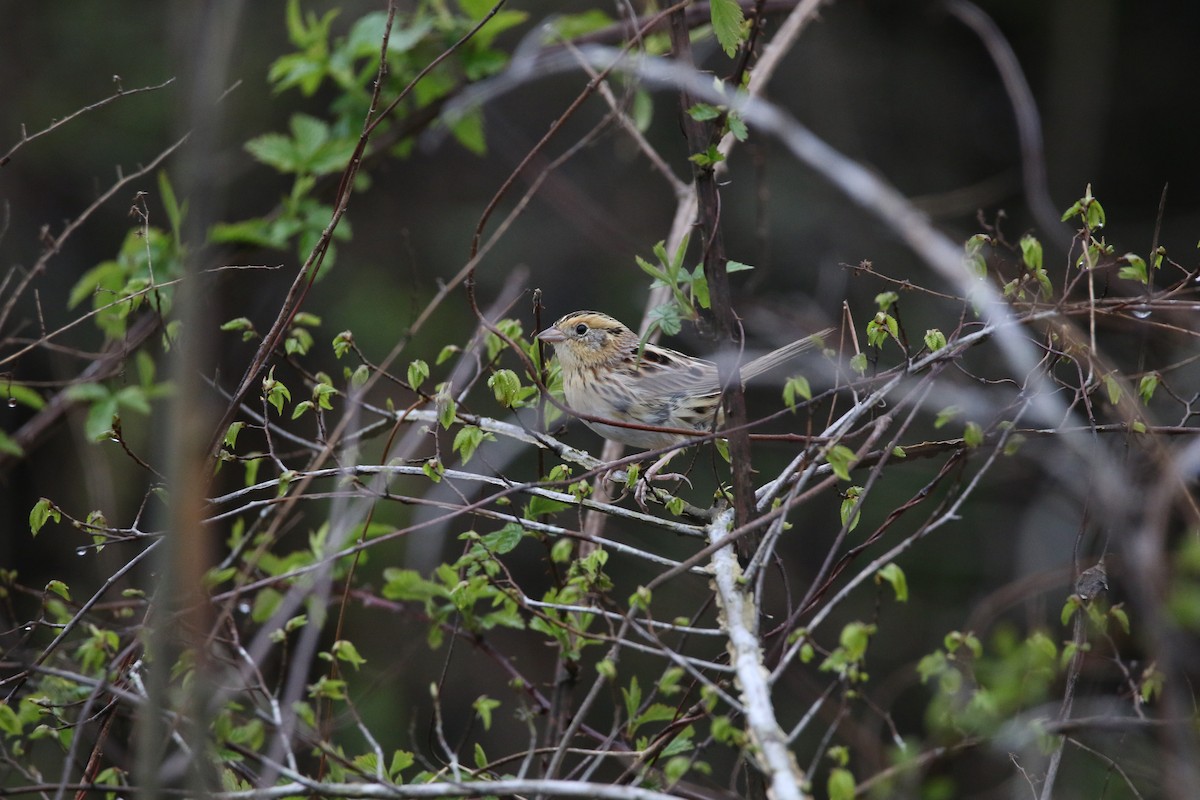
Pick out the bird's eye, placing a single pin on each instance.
(580, 329)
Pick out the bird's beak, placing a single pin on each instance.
(552, 336)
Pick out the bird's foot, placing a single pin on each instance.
(655, 473)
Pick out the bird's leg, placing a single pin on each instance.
(653, 474)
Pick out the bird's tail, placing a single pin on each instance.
(768, 362)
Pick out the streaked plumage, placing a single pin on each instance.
(604, 377)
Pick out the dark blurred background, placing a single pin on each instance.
(903, 87)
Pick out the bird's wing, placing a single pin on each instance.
(664, 372)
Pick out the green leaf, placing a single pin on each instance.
(1136, 269)
(840, 785)
(257, 232)
(322, 392)
(1069, 608)
(840, 459)
(407, 584)
(14, 393)
(699, 288)
(935, 340)
(973, 259)
(855, 637)
(973, 435)
(797, 385)
(506, 386)
(1113, 387)
(640, 599)
(299, 341)
(285, 480)
(1031, 252)
(88, 392)
(275, 392)
(666, 317)
(468, 130)
(60, 589)
(560, 552)
(633, 698)
(1147, 386)
(729, 24)
(367, 33)
(344, 650)
(668, 684)
(945, 415)
(10, 724)
(858, 363)
(848, 504)
(1095, 214)
(401, 760)
(657, 712)
(238, 324)
(274, 150)
(467, 441)
(539, 506)
(653, 270)
(446, 407)
(737, 266)
(8, 445)
(133, 398)
(418, 371)
(43, 511)
(886, 300)
(737, 126)
(327, 688)
(504, 540)
(433, 470)
(99, 422)
(883, 326)
(712, 155)
(231, 433)
(484, 706)
(301, 408)
(895, 576)
(311, 135)
(702, 112)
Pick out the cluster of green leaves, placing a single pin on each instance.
(848, 659)
(974, 693)
(106, 402)
(314, 147)
(469, 593)
(1090, 215)
(1033, 278)
(689, 288)
(883, 326)
(310, 151)
(726, 121)
(641, 712)
(465, 589)
(149, 261)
